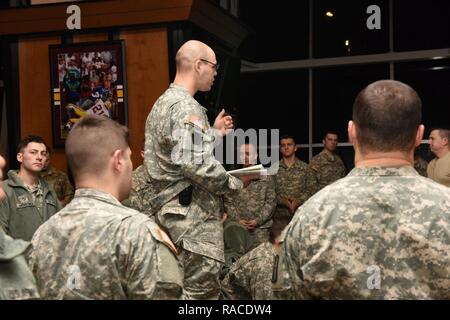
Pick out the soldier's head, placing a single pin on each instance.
(248, 154)
(288, 147)
(330, 141)
(47, 160)
(99, 155)
(2, 166)
(277, 227)
(196, 65)
(31, 154)
(386, 119)
(439, 141)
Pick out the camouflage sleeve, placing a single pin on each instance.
(279, 194)
(4, 214)
(235, 285)
(310, 186)
(133, 201)
(269, 204)
(194, 152)
(288, 272)
(153, 271)
(230, 207)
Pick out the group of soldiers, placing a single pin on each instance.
(178, 228)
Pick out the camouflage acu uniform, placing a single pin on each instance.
(25, 207)
(141, 192)
(327, 167)
(420, 165)
(250, 278)
(59, 181)
(296, 181)
(16, 280)
(96, 248)
(176, 127)
(256, 202)
(379, 233)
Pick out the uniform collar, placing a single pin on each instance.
(97, 194)
(384, 171)
(283, 164)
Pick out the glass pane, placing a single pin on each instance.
(340, 28)
(278, 30)
(420, 25)
(431, 80)
(335, 90)
(276, 100)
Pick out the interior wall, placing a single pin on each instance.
(147, 76)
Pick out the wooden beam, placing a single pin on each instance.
(101, 14)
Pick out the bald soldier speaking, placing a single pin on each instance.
(187, 180)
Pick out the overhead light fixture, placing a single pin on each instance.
(329, 14)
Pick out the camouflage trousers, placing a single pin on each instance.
(201, 276)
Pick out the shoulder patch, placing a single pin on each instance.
(167, 241)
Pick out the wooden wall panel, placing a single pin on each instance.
(35, 104)
(147, 71)
(90, 37)
(147, 78)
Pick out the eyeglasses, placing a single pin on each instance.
(214, 65)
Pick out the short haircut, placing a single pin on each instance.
(277, 227)
(329, 132)
(286, 136)
(24, 142)
(444, 132)
(387, 115)
(91, 143)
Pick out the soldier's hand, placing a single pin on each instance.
(223, 123)
(224, 217)
(251, 224)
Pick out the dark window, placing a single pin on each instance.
(431, 80)
(336, 22)
(278, 30)
(275, 100)
(335, 90)
(420, 25)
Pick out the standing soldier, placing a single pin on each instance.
(96, 248)
(295, 182)
(382, 231)
(327, 165)
(16, 280)
(58, 180)
(188, 181)
(439, 168)
(29, 199)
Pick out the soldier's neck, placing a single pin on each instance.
(289, 161)
(186, 82)
(28, 177)
(328, 151)
(384, 159)
(443, 153)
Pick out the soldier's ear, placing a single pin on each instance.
(351, 130)
(117, 159)
(20, 157)
(419, 135)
